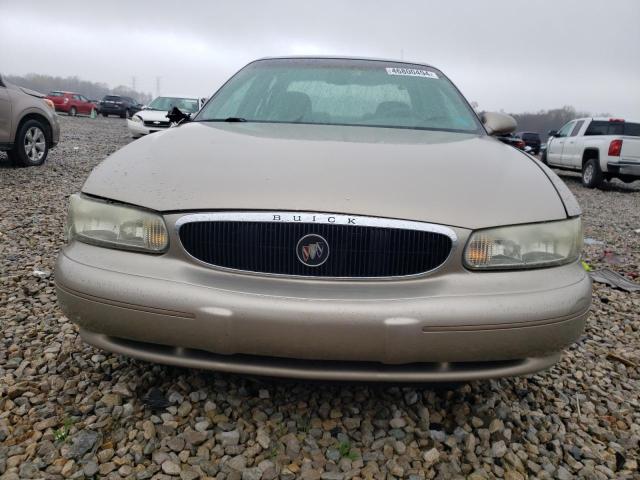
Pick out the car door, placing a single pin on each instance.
(86, 106)
(555, 145)
(5, 114)
(571, 156)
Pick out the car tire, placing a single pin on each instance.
(31, 147)
(591, 174)
(73, 112)
(105, 115)
(543, 157)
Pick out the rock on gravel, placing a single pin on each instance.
(68, 410)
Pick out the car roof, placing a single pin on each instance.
(342, 57)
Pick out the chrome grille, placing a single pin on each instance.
(156, 124)
(360, 247)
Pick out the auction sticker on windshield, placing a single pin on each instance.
(411, 72)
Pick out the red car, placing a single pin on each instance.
(72, 103)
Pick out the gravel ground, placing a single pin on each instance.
(68, 410)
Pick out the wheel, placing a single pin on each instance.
(105, 114)
(73, 112)
(31, 147)
(123, 114)
(543, 157)
(591, 173)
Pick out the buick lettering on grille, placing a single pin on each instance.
(306, 218)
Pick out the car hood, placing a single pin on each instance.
(153, 115)
(28, 91)
(455, 179)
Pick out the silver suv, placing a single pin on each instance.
(28, 125)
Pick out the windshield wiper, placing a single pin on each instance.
(228, 119)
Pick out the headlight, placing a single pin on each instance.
(116, 226)
(525, 246)
(137, 118)
(50, 104)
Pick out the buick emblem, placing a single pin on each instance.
(312, 250)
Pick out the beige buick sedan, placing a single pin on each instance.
(329, 218)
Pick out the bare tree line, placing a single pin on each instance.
(91, 90)
(546, 120)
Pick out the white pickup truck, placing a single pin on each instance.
(601, 148)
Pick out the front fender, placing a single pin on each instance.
(49, 117)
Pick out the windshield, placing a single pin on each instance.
(342, 92)
(186, 105)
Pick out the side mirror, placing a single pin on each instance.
(553, 133)
(498, 123)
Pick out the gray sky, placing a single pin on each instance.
(516, 55)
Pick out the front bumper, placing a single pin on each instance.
(138, 129)
(452, 325)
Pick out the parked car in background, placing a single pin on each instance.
(331, 219)
(601, 148)
(532, 140)
(28, 125)
(153, 117)
(71, 103)
(124, 107)
(513, 140)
